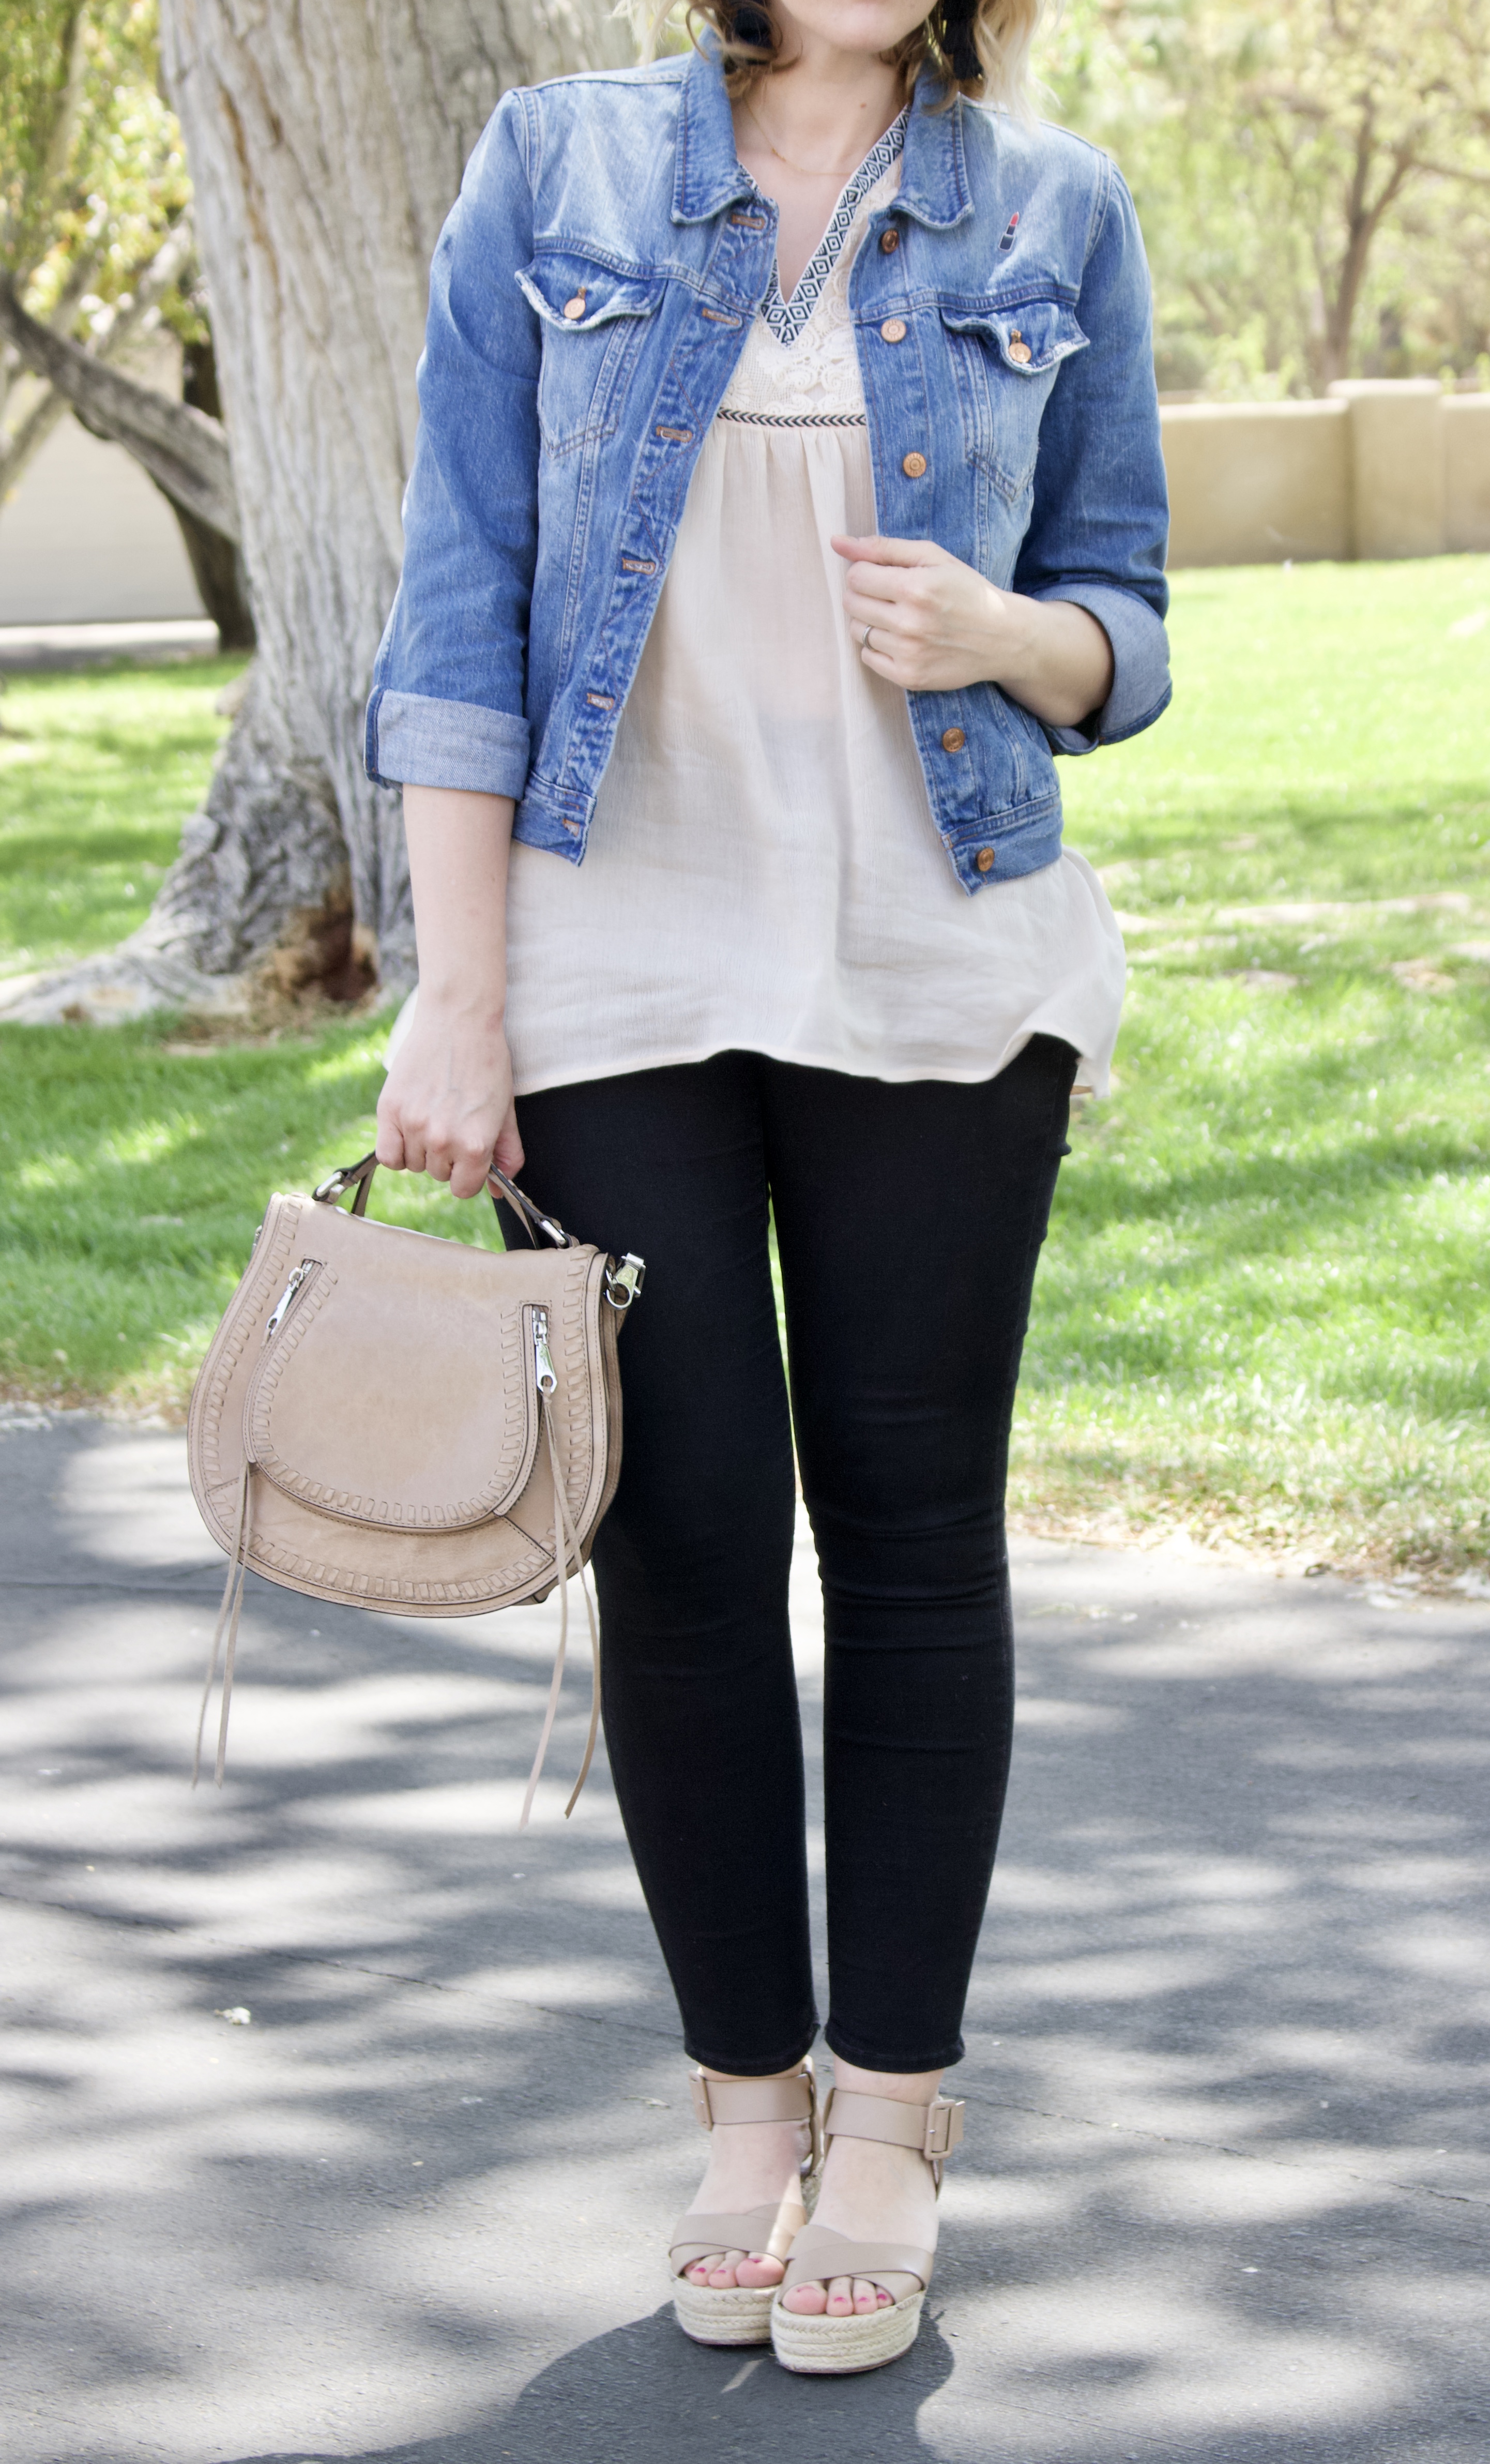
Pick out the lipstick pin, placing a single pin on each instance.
(1007, 241)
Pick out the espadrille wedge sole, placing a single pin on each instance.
(832, 2347)
(835, 2348)
(740, 2314)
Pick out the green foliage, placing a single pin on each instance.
(1314, 183)
(1262, 1311)
(93, 175)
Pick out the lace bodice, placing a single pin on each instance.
(800, 364)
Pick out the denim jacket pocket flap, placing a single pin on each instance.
(1030, 338)
(574, 295)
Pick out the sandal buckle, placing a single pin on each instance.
(943, 2129)
(703, 2110)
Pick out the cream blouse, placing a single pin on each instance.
(762, 872)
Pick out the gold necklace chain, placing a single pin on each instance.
(802, 169)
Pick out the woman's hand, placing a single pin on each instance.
(447, 1106)
(933, 625)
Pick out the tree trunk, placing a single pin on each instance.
(216, 562)
(326, 146)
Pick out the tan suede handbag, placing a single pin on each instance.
(409, 1424)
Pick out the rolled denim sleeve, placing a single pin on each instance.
(446, 708)
(1099, 525)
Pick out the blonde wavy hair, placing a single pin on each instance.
(979, 48)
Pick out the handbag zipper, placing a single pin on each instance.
(288, 1297)
(544, 1370)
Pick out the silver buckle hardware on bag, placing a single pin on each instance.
(623, 1282)
(943, 2129)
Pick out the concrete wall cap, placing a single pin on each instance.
(1199, 413)
(1361, 388)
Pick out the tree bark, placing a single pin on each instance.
(326, 146)
(185, 452)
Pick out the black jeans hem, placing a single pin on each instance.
(761, 2067)
(866, 2060)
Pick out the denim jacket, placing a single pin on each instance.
(590, 296)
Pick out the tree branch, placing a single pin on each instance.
(184, 450)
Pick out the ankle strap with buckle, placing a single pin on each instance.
(933, 2130)
(761, 2099)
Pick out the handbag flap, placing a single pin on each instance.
(395, 1383)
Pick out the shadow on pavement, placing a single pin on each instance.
(1224, 2197)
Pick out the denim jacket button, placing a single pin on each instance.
(952, 738)
(575, 307)
(893, 330)
(985, 859)
(914, 465)
(889, 241)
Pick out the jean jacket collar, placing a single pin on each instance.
(933, 180)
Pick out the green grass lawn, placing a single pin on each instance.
(1263, 1311)
(98, 771)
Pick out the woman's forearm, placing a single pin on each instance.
(447, 1106)
(1052, 656)
(458, 845)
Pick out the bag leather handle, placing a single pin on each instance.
(359, 1176)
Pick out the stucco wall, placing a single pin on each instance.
(1379, 469)
(1383, 469)
(1466, 471)
(87, 538)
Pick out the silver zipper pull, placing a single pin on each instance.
(543, 1369)
(277, 1314)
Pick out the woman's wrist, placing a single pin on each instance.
(451, 1001)
(1050, 655)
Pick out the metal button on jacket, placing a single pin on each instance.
(893, 330)
(1019, 349)
(914, 465)
(889, 241)
(952, 739)
(985, 859)
(575, 307)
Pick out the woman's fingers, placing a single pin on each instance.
(509, 1156)
(890, 615)
(389, 1149)
(881, 585)
(891, 551)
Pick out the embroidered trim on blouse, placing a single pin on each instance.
(796, 418)
(787, 317)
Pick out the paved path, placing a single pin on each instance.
(1225, 2194)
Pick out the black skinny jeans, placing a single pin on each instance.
(909, 1221)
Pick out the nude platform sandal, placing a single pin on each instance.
(740, 2314)
(864, 2341)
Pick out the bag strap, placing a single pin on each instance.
(623, 1277)
(359, 1177)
